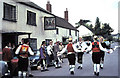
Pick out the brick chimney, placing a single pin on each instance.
(66, 14)
(48, 6)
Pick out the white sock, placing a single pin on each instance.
(59, 65)
(98, 67)
(73, 67)
(19, 73)
(70, 67)
(59, 60)
(80, 65)
(95, 67)
(45, 66)
(24, 74)
(54, 63)
(44, 62)
(101, 65)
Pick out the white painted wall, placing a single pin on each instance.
(65, 33)
(37, 31)
(73, 35)
(84, 31)
(1, 15)
(22, 26)
(0, 42)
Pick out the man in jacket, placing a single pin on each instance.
(22, 52)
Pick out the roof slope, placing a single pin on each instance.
(33, 5)
(60, 22)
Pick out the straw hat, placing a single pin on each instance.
(70, 39)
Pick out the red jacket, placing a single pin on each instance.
(6, 55)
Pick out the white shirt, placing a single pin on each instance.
(81, 45)
(100, 46)
(49, 49)
(29, 50)
(74, 47)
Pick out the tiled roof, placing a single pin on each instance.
(61, 22)
(33, 5)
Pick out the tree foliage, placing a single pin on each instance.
(104, 31)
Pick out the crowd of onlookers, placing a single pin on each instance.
(48, 56)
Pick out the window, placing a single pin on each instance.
(57, 31)
(33, 43)
(47, 41)
(75, 33)
(69, 32)
(31, 18)
(9, 12)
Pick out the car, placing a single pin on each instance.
(3, 67)
(34, 60)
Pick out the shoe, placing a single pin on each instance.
(78, 67)
(72, 72)
(46, 70)
(56, 66)
(42, 70)
(97, 74)
(94, 73)
(30, 75)
(101, 67)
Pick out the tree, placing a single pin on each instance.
(97, 29)
(105, 31)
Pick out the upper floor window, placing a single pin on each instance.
(57, 31)
(75, 33)
(31, 18)
(9, 12)
(69, 31)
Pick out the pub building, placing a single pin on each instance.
(27, 20)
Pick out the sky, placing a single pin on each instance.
(106, 10)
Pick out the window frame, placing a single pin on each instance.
(12, 15)
(75, 33)
(57, 31)
(31, 15)
(69, 31)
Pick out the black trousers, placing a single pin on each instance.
(41, 62)
(71, 59)
(10, 67)
(102, 55)
(51, 57)
(96, 56)
(80, 56)
(23, 64)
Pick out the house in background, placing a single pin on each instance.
(28, 20)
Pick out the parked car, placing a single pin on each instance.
(34, 60)
(3, 67)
